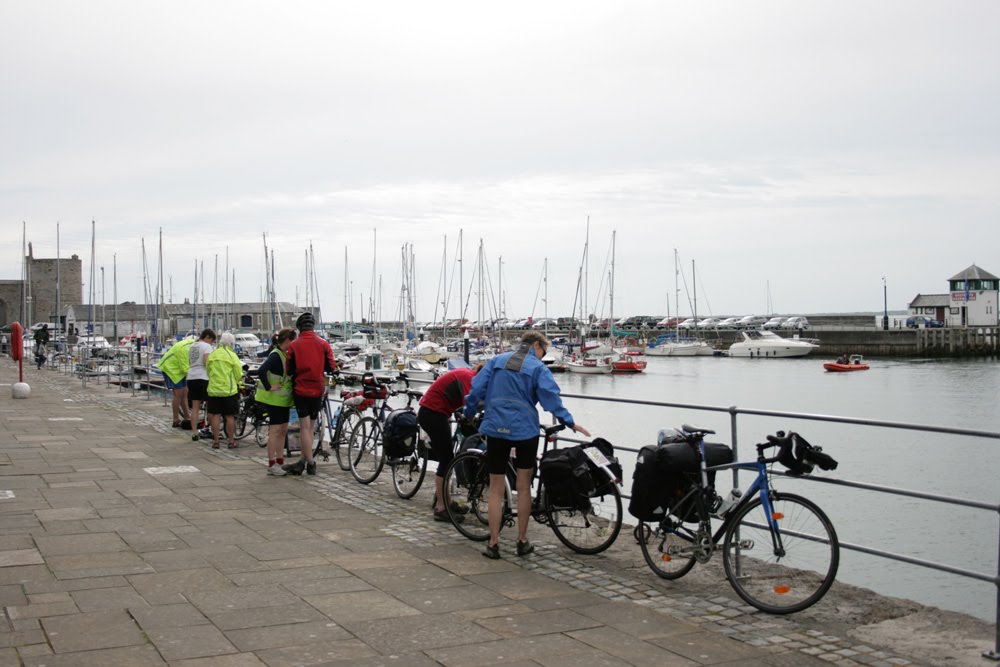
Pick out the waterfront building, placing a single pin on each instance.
(34, 300)
(972, 299)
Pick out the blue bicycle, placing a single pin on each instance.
(779, 550)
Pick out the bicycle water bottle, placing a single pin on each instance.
(336, 417)
(727, 503)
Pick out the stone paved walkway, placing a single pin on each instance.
(109, 557)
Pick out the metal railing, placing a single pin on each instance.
(734, 413)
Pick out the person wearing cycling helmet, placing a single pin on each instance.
(309, 357)
(512, 384)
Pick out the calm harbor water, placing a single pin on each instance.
(933, 392)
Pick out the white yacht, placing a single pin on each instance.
(767, 344)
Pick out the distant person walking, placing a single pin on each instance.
(511, 385)
(274, 390)
(225, 380)
(309, 358)
(197, 377)
(41, 343)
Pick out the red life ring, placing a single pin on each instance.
(16, 341)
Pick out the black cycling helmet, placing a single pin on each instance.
(305, 321)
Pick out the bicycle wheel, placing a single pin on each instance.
(261, 431)
(349, 418)
(668, 551)
(243, 417)
(783, 570)
(408, 472)
(466, 495)
(364, 450)
(587, 531)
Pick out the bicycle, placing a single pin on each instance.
(367, 457)
(587, 530)
(342, 423)
(779, 550)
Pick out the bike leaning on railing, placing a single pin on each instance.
(366, 454)
(587, 528)
(779, 550)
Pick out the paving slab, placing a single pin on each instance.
(106, 564)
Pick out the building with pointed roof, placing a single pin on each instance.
(971, 301)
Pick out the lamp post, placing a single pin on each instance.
(885, 306)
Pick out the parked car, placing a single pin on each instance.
(752, 321)
(774, 323)
(923, 322)
(689, 323)
(798, 322)
(709, 323)
(668, 322)
(730, 323)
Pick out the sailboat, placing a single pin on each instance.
(587, 362)
(672, 345)
(624, 363)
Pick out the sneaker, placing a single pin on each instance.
(443, 517)
(492, 551)
(311, 468)
(276, 471)
(295, 468)
(524, 548)
(195, 438)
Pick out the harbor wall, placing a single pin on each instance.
(871, 342)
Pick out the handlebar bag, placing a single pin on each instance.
(399, 435)
(566, 476)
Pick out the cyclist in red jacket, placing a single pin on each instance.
(309, 357)
(442, 398)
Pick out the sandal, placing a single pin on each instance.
(233, 445)
(215, 445)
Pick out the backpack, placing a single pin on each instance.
(399, 435)
(566, 476)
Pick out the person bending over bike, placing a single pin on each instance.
(309, 357)
(275, 391)
(511, 385)
(442, 398)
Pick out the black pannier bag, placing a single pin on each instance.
(399, 435)
(664, 475)
(602, 483)
(654, 491)
(465, 471)
(566, 475)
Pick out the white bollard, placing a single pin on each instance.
(21, 390)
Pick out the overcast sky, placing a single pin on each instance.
(808, 148)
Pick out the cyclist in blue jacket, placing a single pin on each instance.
(511, 385)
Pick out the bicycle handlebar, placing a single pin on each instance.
(552, 430)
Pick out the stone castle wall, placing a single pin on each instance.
(43, 290)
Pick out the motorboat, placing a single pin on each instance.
(416, 368)
(680, 348)
(767, 344)
(627, 364)
(590, 366)
(855, 363)
(356, 343)
(429, 352)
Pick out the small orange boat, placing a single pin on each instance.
(855, 363)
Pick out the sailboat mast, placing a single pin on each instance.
(24, 272)
(114, 294)
(159, 312)
(694, 288)
(59, 286)
(194, 303)
(611, 289)
(93, 277)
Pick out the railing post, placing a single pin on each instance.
(732, 434)
(995, 653)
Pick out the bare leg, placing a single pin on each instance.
(439, 491)
(495, 511)
(214, 419)
(306, 438)
(276, 441)
(195, 416)
(175, 404)
(523, 502)
(231, 429)
(185, 413)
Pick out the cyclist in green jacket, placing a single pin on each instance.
(174, 364)
(274, 389)
(225, 380)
